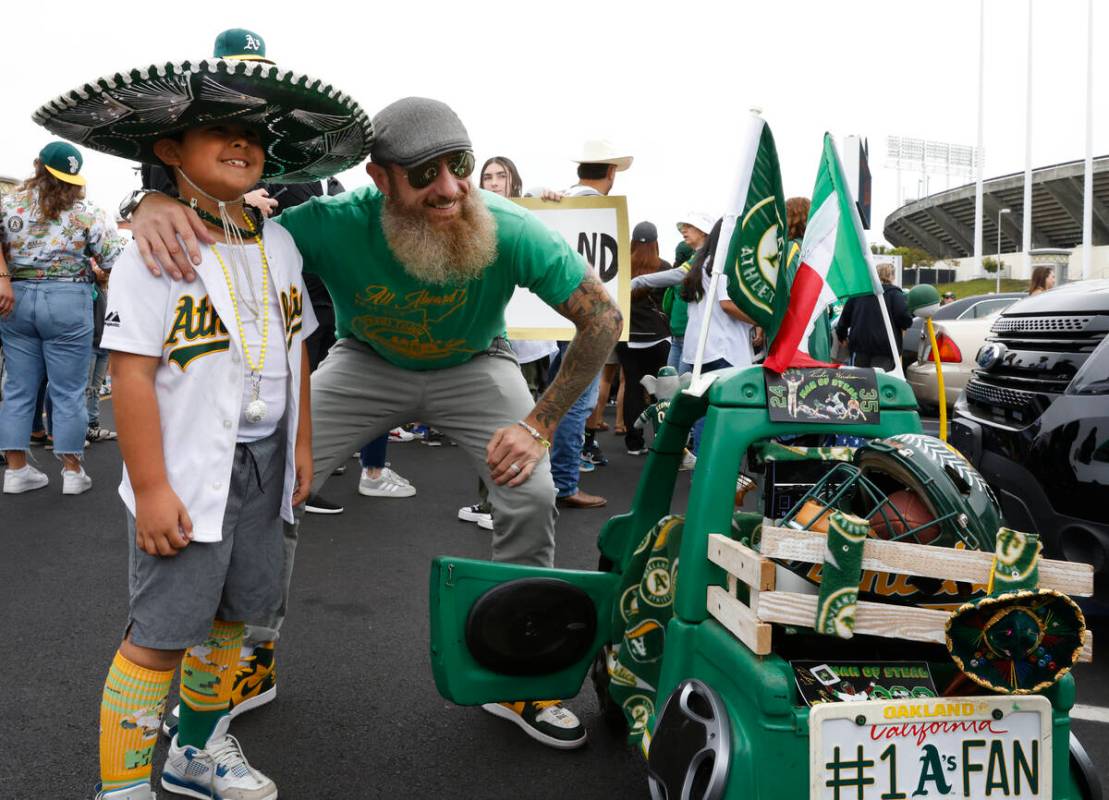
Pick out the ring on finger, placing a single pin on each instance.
(514, 467)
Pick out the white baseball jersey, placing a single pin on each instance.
(199, 383)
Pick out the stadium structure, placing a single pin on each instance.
(942, 224)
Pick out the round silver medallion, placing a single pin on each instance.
(256, 410)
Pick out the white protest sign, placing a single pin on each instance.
(597, 229)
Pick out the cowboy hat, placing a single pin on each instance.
(602, 151)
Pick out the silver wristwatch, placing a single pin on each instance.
(131, 202)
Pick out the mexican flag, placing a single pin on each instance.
(835, 265)
(754, 228)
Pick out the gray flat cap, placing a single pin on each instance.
(413, 130)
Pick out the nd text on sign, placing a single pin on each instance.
(597, 229)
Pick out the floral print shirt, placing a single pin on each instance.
(59, 249)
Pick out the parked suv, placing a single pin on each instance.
(1034, 418)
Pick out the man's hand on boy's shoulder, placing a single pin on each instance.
(162, 523)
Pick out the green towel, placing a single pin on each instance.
(839, 582)
(646, 607)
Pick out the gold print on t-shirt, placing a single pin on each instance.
(404, 324)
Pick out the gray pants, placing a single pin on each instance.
(357, 396)
(174, 600)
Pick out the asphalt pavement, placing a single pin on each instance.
(357, 713)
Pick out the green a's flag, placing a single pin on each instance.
(753, 231)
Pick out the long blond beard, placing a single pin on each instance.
(454, 253)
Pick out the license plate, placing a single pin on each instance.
(960, 747)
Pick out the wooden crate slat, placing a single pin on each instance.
(740, 620)
(873, 619)
(741, 561)
(922, 560)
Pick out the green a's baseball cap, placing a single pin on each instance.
(63, 161)
(241, 45)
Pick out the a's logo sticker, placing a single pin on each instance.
(657, 587)
(645, 641)
(640, 708)
(629, 603)
(252, 43)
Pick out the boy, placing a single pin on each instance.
(211, 397)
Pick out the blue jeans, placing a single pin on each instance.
(699, 425)
(98, 368)
(568, 439)
(42, 410)
(49, 333)
(373, 454)
(675, 358)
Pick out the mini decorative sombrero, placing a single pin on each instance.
(1019, 639)
(310, 130)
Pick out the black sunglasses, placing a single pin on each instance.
(460, 165)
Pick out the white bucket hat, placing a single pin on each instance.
(602, 151)
(699, 220)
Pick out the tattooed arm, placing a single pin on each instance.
(598, 322)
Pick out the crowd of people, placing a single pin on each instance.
(246, 273)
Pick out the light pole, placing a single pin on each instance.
(1000, 211)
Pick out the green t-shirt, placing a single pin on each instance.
(410, 323)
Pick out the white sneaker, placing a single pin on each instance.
(140, 792)
(689, 461)
(388, 484)
(220, 770)
(474, 513)
(75, 482)
(395, 475)
(398, 435)
(18, 481)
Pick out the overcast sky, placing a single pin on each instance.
(668, 81)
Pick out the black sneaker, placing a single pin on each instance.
(593, 454)
(319, 505)
(433, 438)
(546, 721)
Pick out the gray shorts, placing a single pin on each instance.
(174, 599)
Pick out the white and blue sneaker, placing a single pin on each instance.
(218, 772)
(140, 792)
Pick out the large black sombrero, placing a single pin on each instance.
(310, 130)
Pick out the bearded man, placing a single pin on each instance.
(421, 269)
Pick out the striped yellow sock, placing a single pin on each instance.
(207, 678)
(130, 715)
